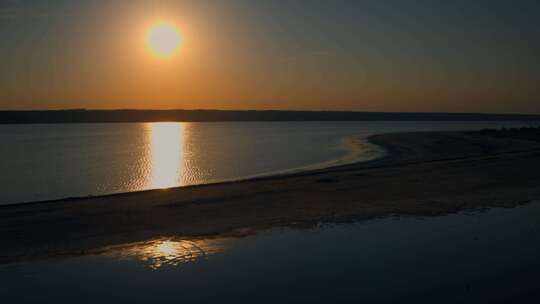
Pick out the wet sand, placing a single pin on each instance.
(431, 173)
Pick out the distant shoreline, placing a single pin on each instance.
(425, 173)
(119, 116)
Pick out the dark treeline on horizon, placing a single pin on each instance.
(101, 116)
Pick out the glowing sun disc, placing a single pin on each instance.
(163, 40)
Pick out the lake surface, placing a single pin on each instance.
(43, 162)
(470, 257)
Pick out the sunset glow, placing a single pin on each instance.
(163, 40)
(246, 151)
(268, 55)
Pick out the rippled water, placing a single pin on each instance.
(42, 162)
(167, 251)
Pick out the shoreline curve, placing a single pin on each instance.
(352, 156)
(424, 173)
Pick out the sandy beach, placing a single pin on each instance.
(432, 173)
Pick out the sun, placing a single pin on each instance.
(163, 40)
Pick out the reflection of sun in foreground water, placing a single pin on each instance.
(167, 152)
(174, 252)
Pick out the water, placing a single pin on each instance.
(43, 162)
(470, 257)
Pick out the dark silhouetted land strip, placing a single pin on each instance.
(97, 116)
(430, 173)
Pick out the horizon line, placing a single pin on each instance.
(268, 110)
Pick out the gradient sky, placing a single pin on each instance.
(372, 55)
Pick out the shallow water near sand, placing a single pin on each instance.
(43, 162)
(469, 257)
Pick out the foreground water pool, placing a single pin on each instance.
(481, 256)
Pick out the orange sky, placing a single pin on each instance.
(253, 55)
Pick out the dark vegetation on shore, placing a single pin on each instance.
(525, 133)
(129, 115)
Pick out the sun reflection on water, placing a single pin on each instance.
(167, 154)
(167, 251)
